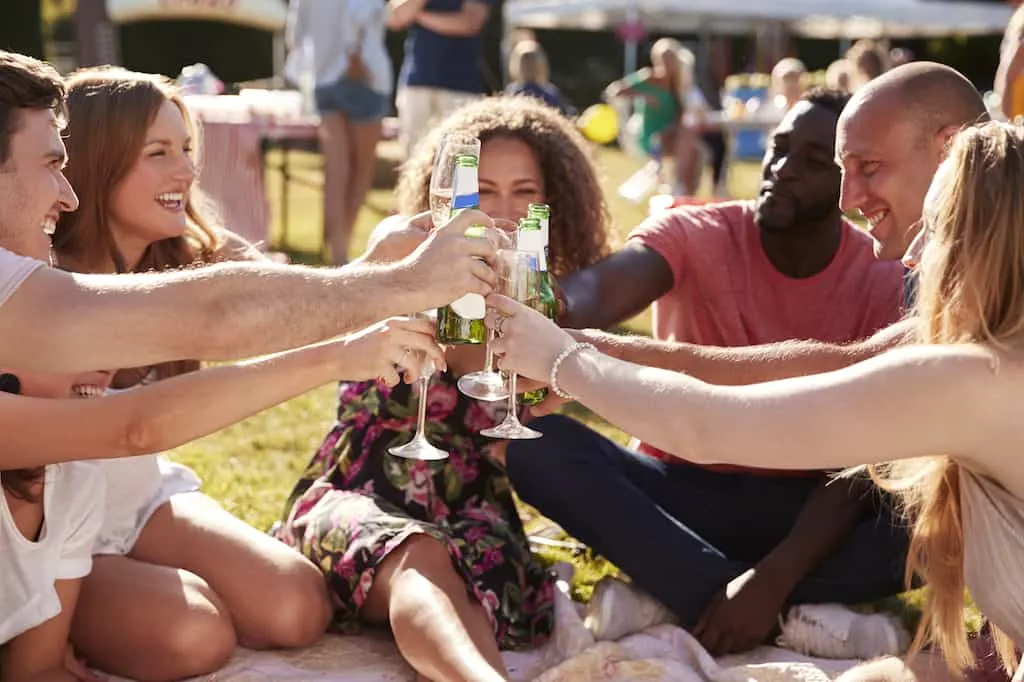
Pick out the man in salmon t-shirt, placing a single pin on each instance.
(728, 550)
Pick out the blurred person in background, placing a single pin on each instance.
(353, 93)
(529, 74)
(441, 69)
(839, 75)
(898, 56)
(789, 80)
(869, 62)
(1009, 83)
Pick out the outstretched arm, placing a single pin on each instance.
(747, 364)
(168, 413)
(400, 13)
(911, 402)
(63, 322)
(615, 289)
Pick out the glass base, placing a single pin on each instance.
(511, 429)
(418, 448)
(487, 386)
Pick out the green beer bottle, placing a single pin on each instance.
(533, 236)
(462, 321)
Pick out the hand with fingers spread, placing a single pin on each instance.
(527, 343)
(389, 351)
(448, 264)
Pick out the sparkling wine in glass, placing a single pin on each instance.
(442, 178)
(519, 281)
(488, 384)
(419, 447)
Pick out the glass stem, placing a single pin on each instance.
(489, 362)
(421, 408)
(512, 397)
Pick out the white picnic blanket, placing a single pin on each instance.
(660, 654)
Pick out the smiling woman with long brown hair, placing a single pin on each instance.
(171, 590)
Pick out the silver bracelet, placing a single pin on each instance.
(566, 352)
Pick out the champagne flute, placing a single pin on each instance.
(442, 178)
(519, 280)
(419, 447)
(488, 384)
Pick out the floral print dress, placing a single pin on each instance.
(356, 503)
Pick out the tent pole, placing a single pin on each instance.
(631, 47)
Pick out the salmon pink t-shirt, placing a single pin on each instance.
(727, 293)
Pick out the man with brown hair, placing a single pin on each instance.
(64, 322)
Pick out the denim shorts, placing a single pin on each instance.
(354, 98)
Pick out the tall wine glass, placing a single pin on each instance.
(488, 384)
(442, 178)
(520, 281)
(419, 447)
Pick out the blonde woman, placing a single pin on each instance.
(946, 410)
(530, 76)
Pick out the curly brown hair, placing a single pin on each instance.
(579, 215)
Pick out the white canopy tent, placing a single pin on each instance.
(269, 15)
(812, 18)
(906, 19)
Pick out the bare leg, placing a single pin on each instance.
(335, 145)
(276, 597)
(363, 138)
(150, 622)
(686, 158)
(441, 631)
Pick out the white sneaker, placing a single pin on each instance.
(618, 609)
(834, 631)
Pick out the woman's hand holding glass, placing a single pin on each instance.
(488, 384)
(519, 278)
(388, 351)
(527, 342)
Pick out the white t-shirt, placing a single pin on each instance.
(135, 488)
(72, 513)
(14, 270)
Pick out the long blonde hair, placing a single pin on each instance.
(971, 291)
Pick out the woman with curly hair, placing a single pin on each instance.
(436, 549)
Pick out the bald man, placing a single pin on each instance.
(891, 138)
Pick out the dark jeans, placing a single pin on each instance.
(643, 515)
(716, 145)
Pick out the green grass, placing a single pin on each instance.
(251, 467)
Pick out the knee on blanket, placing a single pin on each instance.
(296, 615)
(200, 644)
